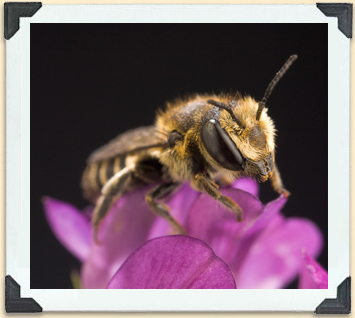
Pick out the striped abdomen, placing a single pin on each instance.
(97, 174)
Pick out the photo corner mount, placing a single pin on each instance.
(339, 305)
(13, 301)
(342, 11)
(13, 11)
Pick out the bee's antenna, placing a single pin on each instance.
(228, 109)
(273, 83)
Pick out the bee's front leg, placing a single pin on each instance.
(277, 184)
(202, 183)
(160, 208)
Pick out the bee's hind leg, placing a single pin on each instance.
(113, 188)
(160, 208)
(202, 183)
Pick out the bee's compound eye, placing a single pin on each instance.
(220, 146)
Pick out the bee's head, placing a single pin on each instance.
(236, 141)
(242, 138)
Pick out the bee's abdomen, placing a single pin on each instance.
(98, 173)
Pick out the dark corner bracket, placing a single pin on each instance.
(13, 11)
(13, 301)
(340, 305)
(344, 13)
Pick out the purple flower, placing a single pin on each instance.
(313, 276)
(173, 262)
(263, 251)
(71, 227)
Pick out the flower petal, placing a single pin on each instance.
(173, 262)
(268, 221)
(275, 257)
(269, 213)
(70, 226)
(247, 185)
(210, 221)
(313, 275)
(123, 230)
(180, 204)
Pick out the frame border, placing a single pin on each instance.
(19, 43)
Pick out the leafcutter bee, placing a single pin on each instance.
(203, 139)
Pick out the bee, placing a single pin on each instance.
(204, 139)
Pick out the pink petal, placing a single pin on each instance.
(270, 211)
(70, 226)
(173, 262)
(313, 275)
(247, 185)
(180, 204)
(268, 221)
(210, 221)
(275, 257)
(124, 229)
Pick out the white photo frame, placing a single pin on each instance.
(18, 164)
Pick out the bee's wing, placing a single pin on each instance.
(132, 140)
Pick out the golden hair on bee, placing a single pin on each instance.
(205, 139)
(257, 138)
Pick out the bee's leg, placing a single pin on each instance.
(114, 187)
(202, 183)
(277, 184)
(160, 208)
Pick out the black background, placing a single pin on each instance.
(91, 82)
